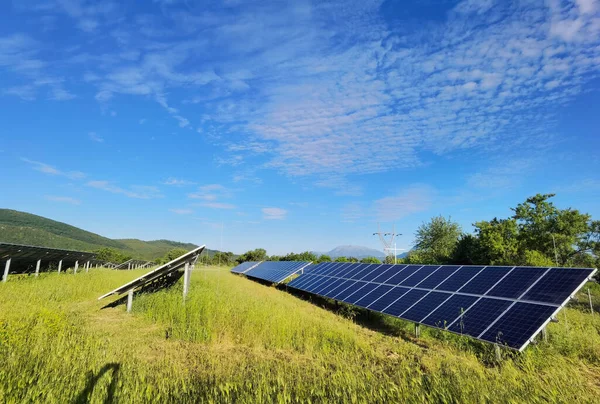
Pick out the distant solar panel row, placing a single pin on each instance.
(503, 305)
(272, 271)
(245, 266)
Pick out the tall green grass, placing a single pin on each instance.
(235, 340)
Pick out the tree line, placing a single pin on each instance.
(537, 234)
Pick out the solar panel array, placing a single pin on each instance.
(273, 271)
(245, 266)
(500, 304)
(159, 274)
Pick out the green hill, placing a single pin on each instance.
(26, 228)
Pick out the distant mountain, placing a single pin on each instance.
(26, 228)
(354, 251)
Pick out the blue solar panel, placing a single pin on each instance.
(276, 271)
(449, 311)
(244, 266)
(557, 285)
(518, 324)
(504, 305)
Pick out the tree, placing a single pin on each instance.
(341, 259)
(435, 241)
(171, 255)
(259, 254)
(370, 260)
(324, 258)
(223, 258)
(497, 242)
(112, 255)
(563, 235)
(304, 256)
(467, 251)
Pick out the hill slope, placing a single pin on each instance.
(355, 251)
(26, 228)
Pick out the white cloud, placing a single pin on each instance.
(329, 101)
(217, 205)
(49, 169)
(182, 211)
(135, 191)
(211, 192)
(63, 199)
(178, 182)
(274, 213)
(94, 137)
(503, 174)
(414, 199)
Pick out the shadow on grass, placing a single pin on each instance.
(86, 393)
(158, 284)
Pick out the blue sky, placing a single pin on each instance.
(295, 125)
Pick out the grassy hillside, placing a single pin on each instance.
(156, 248)
(239, 341)
(16, 227)
(26, 228)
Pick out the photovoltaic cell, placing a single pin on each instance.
(388, 298)
(438, 276)
(458, 279)
(556, 286)
(518, 324)
(244, 266)
(445, 315)
(517, 282)
(475, 320)
(420, 275)
(485, 280)
(361, 293)
(276, 271)
(388, 273)
(369, 298)
(403, 274)
(500, 304)
(381, 269)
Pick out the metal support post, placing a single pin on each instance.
(87, 267)
(59, 266)
(129, 300)
(129, 266)
(76, 266)
(37, 267)
(498, 352)
(544, 334)
(6, 268)
(186, 280)
(590, 300)
(417, 330)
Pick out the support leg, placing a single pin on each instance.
(87, 267)
(76, 266)
(417, 330)
(129, 300)
(590, 300)
(37, 267)
(544, 334)
(6, 268)
(186, 280)
(59, 266)
(498, 352)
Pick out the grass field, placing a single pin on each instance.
(236, 340)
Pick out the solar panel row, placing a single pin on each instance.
(245, 266)
(272, 271)
(504, 305)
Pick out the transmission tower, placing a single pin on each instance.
(388, 240)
